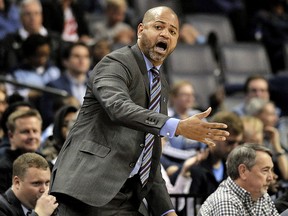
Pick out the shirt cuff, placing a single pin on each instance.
(172, 210)
(169, 128)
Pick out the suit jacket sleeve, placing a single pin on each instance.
(119, 90)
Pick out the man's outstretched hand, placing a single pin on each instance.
(206, 132)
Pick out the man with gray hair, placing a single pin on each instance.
(31, 18)
(250, 172)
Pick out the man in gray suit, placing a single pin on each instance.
(98, 169)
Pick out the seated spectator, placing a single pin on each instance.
(9, 18)
(62, 123)
(209, 173)
(177, 149)
(29, 192)
(36, 68)
(66, 17)
(253, 129)
(255, 86)
(24, 136)
(76, 61)
(125, 36)
(113, 26)
(20, 105)
(250, 172)
(266, 112)
(31, 23)
(254, 133)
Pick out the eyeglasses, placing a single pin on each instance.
(257, 90)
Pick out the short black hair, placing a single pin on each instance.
(31, 44)
(68, 50)
(251, 78)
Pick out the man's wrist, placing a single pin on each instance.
(169, 128)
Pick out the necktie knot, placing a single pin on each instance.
(155, 72)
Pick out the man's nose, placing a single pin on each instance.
(165, 33)
(270, 176)
(44, 187)
(32, 134)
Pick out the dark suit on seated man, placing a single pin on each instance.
(31, 178)
(76, 60)
(110, 160)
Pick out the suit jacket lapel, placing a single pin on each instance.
(164, 92)
(164, 85)
(11, 198)
(141, 63)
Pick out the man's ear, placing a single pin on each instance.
(242, 170)
(10, 134)
(65, 63)
(140, 30)
(16, 182)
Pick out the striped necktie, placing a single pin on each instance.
(154, 104)
(29, 212)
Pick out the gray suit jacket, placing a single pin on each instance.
(108, 136)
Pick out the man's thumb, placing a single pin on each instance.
(204, 114)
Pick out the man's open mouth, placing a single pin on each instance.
(161, 46)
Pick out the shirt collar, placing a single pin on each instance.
(74, 81)
(24, 34)
(244, 195)
(25, 210)
(148, 64)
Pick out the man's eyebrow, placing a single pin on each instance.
(267, 167)
(166, 23)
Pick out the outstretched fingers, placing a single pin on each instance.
(215, 132)
(215, 125)
(208, 142)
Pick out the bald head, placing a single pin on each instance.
(158, 34)
(152, 13)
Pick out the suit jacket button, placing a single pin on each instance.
(142, 145)
(132, 165)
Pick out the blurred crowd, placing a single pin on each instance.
(55, 43)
